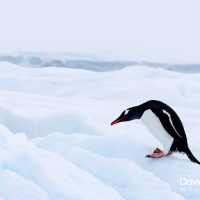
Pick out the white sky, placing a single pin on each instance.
(154, 30)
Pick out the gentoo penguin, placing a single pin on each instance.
(163, 122)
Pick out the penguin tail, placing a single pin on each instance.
(191, 156)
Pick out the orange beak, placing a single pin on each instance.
(116, 121)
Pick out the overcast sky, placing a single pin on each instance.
(154, 30)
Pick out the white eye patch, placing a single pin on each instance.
(126, 112)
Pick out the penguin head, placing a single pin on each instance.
(127, 115)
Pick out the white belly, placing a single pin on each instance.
(154, 125)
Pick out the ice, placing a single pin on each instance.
(56, 141)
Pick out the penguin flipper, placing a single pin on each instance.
(165, 121)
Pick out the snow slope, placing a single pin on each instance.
(56, 141)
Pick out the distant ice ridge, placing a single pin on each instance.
(88, 62)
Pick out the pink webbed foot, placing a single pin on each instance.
(157, 150)
(158, 154)
(155, 155)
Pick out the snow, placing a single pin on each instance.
(56, 141)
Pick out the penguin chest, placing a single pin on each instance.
(153, 124)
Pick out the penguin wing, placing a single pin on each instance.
(178, 126)
(167, 124)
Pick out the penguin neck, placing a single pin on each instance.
(141, 109)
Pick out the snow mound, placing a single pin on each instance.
(66, 123)
(27, 171)
(121, 174)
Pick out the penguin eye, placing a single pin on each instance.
(126, 112)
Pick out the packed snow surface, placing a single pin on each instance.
(56, 142)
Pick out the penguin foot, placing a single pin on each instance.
(158, 155)
(157, 150)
